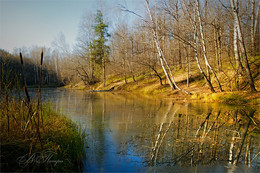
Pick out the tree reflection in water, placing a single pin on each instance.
(136, 134)
(190, 139)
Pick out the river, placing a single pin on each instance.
(130, 133)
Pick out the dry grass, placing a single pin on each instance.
(149, 85)
(58, 134)
(29, 128)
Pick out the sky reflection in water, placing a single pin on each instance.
(133, 134)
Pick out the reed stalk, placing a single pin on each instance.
(39, 102)
(28, 127)
(31, 113)
(28, 100)
(24, 80)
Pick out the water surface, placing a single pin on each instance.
(135, 134)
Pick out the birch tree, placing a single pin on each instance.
(254, 24)
(203, 45)
(235, 12)
(195, 44)
(164, 64)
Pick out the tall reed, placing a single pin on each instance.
(39, 102)
(31, 113)
(28, 127)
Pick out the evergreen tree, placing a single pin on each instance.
(98, 48)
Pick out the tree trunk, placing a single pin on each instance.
(216, 45)
(130, 67)
(195, 37)
(256, 23)
(157, 74)
(104, 71)
(188, 66)
(161, 55)
(242, 44)
(252, 28)
(236, 50)
(92, 65)
(124, 68)
(204, 46)
(219, 50)
(239, 67)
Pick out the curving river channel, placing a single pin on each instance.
(129, 133)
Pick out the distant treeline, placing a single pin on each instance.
(11, 71)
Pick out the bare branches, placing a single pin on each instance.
(123, 8)
(161, 54)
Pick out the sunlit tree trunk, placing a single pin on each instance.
(234, 7)
(132, 56)
(252, 27)
(195, 47)
(217, 38)
(204, 45)
(256, 25)
(236, 50)
(158, 75)
(124, 68)
(188, 66)
(239, 67)
(104, 70)
(199, 66)
(219, 49)
(161, 55)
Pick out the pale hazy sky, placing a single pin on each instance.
(38, 22)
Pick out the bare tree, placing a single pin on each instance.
(163, 61)
(204, 45)
(254, 24)
(235, 12)
(195, 45)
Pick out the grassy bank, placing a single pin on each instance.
(148, 84)
(237, 98)
(34, 138)
(57, 145)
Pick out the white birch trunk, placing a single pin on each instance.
(256, 18)
(196, 46)
(242, 44)
(161, 55)
(253, 27)
(236, 51)
(204, 45)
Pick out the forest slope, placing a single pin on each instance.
(148, 84)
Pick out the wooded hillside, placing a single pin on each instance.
(211, 44)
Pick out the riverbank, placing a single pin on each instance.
(119, 124)
(235, 86)
(51, 143)
(151, 87)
